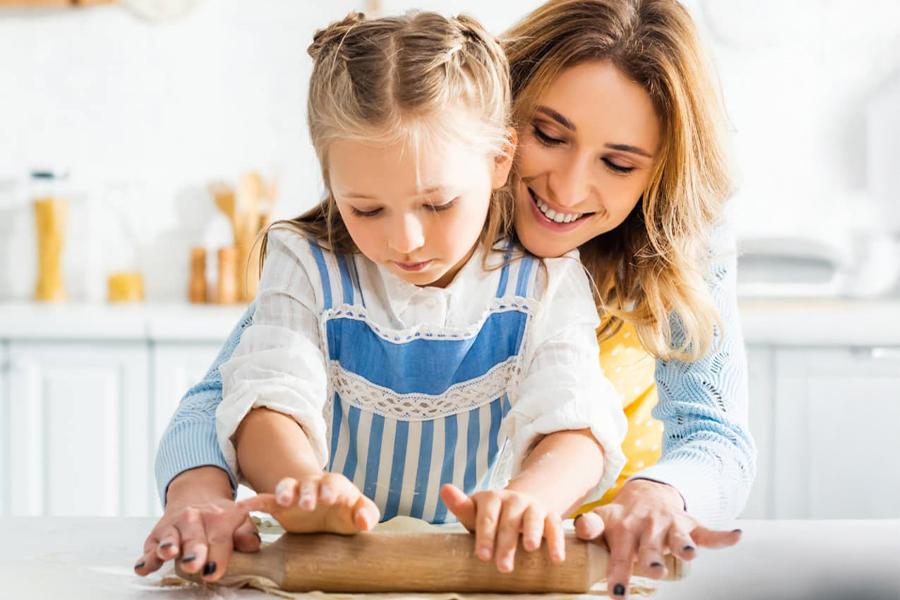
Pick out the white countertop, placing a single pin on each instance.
(795, 322)
(77, 558)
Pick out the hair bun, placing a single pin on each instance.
(334, 33)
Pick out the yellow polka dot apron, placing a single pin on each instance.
(631, 370)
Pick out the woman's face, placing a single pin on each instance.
(584, 159)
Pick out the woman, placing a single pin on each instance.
(620, 157)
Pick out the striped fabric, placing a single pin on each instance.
(400, 457)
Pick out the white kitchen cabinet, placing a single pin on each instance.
(761, 373)
(4, 427)
(834, 441)
(77, 426)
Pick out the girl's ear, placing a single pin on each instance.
(504, 160)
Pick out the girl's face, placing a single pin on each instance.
(584, 159)
(417, 214)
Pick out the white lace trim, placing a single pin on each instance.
(400, 336)
(460, 397)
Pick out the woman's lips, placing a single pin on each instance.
(413, 267)
(542, 219)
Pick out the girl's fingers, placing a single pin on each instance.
(309, 489)
(260, 502)
(590, 525)
(246, 537)
(220, 530)
(365, 514)
(459, 504)
(680, 543)
(328, 489)
(622, 544)
(508, 528)
(169, 544)
(286, 492)
(711, 538)
(532, 528)
(556, 538)
(488, 512)
(650, 551)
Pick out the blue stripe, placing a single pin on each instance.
(504, 277)
(349, 470)
(373, 456)
(337, 413)
(524, 279)
(506, 405)
(473, 439)
(450, 434)
(323, 274)
(420, 365)
(346, 282)
(397, 466)
(496, 418)
(423, 470)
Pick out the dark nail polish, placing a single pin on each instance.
(738, 531)
(655, 565)
(188, 558)
(689, 548)
(619, 590)
(166, 545)
(139, 565)
(209, 568)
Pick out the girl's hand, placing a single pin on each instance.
(201, 527)
(646, 520)
(323, 502)
(499, 517)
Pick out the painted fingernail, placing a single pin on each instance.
(209, 568)
(139, 565)
(484, 553)
(165, 545)
(188, 558)
(737, 531)
(619, 590)
(688, 548)
(655, 565)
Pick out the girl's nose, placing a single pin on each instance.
(407, 235)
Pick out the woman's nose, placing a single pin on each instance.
(570, 183)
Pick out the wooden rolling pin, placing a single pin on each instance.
(419, 562)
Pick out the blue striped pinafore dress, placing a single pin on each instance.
(411, 410)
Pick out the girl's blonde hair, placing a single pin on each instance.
(649, 270)
(419, 78)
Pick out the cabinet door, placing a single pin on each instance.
(836, 443)
(78, 429)
(761, 380)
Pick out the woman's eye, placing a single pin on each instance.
(544, 138)
(365, 213)
(617, 167)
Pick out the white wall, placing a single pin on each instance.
(144, 115)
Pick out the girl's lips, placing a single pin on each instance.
(413, 267)
(542, 219)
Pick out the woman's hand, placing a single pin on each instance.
(645, 521)
(322, 502)
(202, 525)
(499, 517)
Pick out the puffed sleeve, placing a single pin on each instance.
(563, 386)
(279, 362)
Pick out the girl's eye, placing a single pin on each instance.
(544, 138)
(617, 168)
(365, 213)
(442, 207)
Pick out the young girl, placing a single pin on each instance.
(399, 341)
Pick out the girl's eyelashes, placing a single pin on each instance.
(616, 168)
(365, 213)
(442, 207)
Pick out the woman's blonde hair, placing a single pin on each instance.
(649, 270)
(419, 78)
